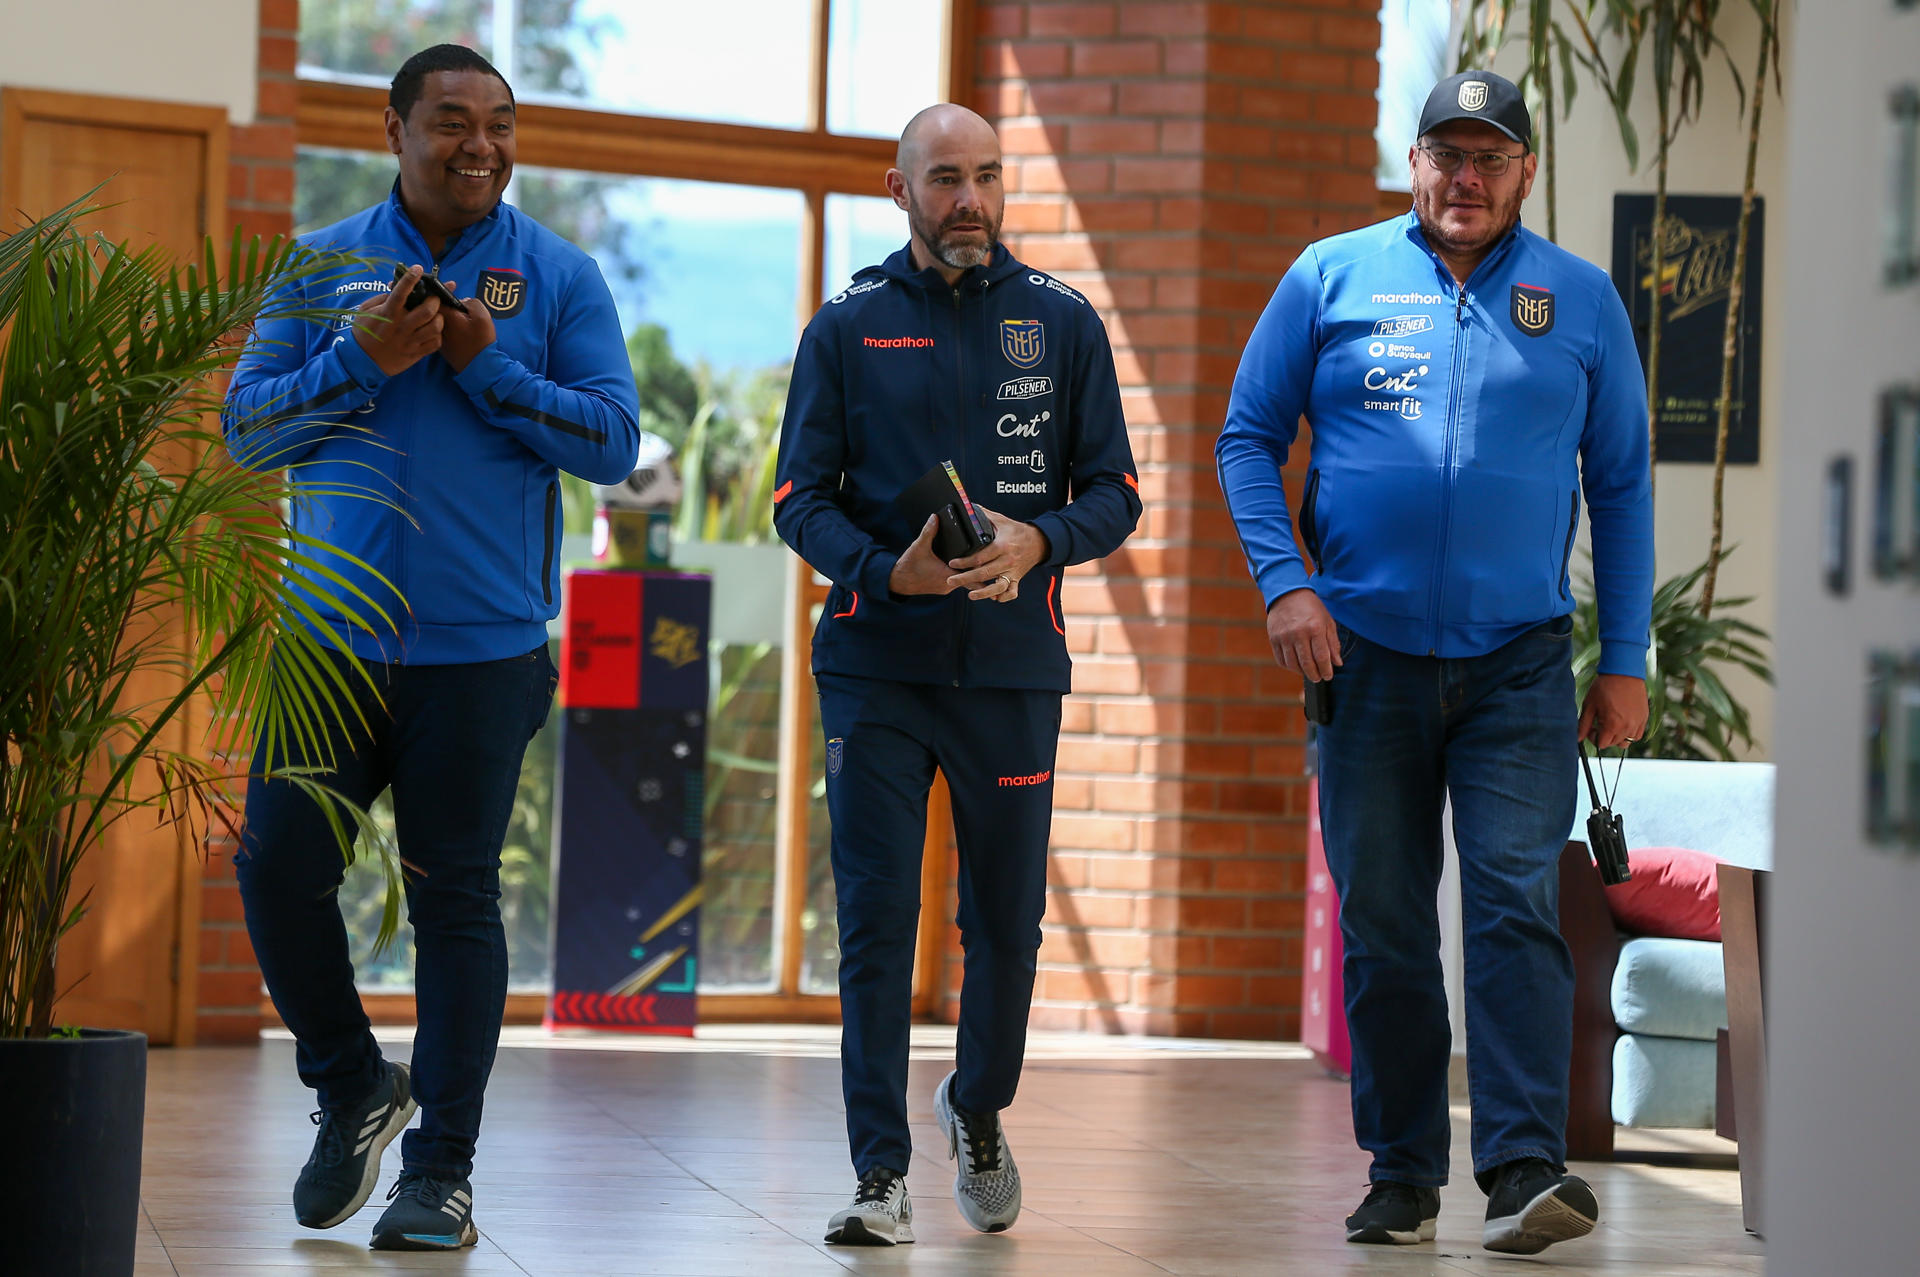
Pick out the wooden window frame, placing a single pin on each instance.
(345, 116)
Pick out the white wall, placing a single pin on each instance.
(1842, 1001)
(204, 52)
(1709, 159)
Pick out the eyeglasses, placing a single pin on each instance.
(1448, 159)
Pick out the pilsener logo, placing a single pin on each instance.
(1018, 782)
(896, 343)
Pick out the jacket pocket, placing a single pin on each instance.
(546, 557)
(1566, 552)
(1309, 504)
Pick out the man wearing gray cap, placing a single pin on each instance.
(1467, 383)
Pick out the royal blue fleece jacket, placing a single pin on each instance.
(447, 485)
(1008, 374)
(1455, 428)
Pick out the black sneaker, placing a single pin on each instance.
(1535, 1204)
(427, 1214)
(1394, 1215)
(881, 1214)
(345, 1164)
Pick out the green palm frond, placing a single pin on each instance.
(135, 555)
(1688, 650)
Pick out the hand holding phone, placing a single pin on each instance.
(429, 286)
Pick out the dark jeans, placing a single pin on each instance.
(449, 741)
(996, 748)
(1496, 732)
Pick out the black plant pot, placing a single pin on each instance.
(70, 1122)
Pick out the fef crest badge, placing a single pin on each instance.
(1023, 341)
(503, 291)
(1532, 310)
(836, 754)
(1473, 95)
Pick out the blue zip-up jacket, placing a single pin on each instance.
(1454, 430)
(472, 460)
(1008, 374)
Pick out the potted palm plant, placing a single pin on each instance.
(130, 548)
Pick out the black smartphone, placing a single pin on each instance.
(1317, 702)
(428, 286)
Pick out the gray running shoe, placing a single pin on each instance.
(986, 1184)
(345, 1164)
(881, 1214)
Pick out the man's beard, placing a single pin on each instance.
(951, 253)
(1504, 213)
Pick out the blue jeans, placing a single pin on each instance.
(449, 741)
(996, 748)
(1497, 733)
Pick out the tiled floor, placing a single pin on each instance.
(723, 1157)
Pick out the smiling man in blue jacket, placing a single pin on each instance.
(430, 442)
(949, 351)
(1466, 382)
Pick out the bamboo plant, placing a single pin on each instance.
(135, 555)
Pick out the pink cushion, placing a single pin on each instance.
(1673, 892)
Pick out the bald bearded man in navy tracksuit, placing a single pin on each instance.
(950, 350)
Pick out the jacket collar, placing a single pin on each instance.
(466, 234)
(1488, 263)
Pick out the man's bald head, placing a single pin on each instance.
(947, 178)
(940, 127)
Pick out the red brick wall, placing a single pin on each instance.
(1170, 160)
(259, 202)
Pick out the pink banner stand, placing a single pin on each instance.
(1323, 1007)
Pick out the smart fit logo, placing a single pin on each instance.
(1019, 782)
(896, 343)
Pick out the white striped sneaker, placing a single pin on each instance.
(345, 1164)
(427, 1214)
(986, 1184)
(881, 1214)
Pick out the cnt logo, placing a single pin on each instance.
(1010, 426)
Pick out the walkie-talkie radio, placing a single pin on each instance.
(1606, 837)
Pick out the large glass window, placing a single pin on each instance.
(704, 257)
(721, 61)
(1414, 56)
(883, 63)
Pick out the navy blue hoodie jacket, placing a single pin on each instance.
(1008, 374)
(473, 460)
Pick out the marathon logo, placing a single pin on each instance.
(1021, 782)
(896, 343)
(1409, 299)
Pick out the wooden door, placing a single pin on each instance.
(130, 963)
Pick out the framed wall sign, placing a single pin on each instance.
(1696, 283)
(1893, 748)
(1902, 254)
(1896, 484)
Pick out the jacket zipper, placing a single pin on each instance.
(1573, 523)
(1446, 466)
(960, 377)
(546, 559)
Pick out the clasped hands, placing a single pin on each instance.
(396, 338)
(993, 573)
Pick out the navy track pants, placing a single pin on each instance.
(996, 747)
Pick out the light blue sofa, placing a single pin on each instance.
(1666, 999)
